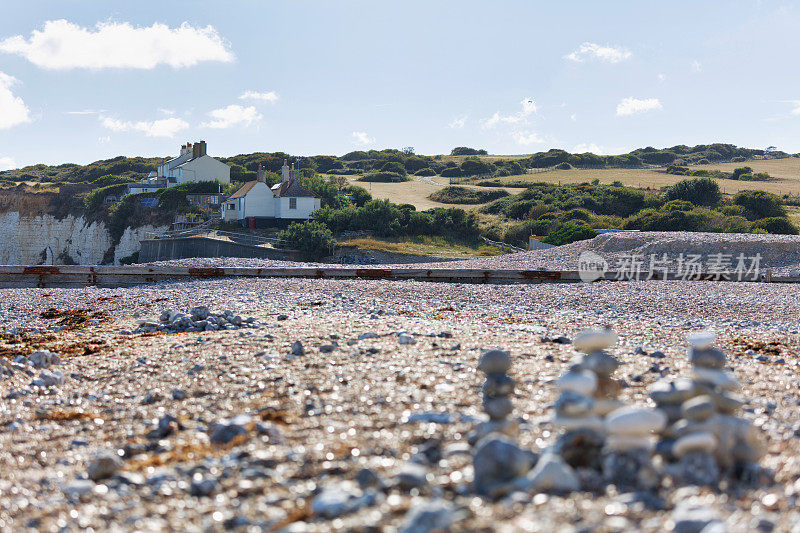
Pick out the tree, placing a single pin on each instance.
(699, 191)
(339, 181)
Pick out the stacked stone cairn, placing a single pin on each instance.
(600, 432)
(497, 460)
(693, 428)
(704, 436)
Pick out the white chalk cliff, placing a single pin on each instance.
(32, 240)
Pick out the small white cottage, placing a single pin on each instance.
(286, 200)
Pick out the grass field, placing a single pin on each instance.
(424, 245)
(416, 192)
(412, 192)
(786, 170)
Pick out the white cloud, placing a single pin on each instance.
(62, 45)
(167, 127)
(573, 117)
(7, 163)
(13, 110)
(630, 106)
(696, 66)
(796, 108)
(662, 77)
(587, 147)
(458, 122)
(232, 115)
(607, 53)
(526, 138)
(85, 112)
(104, 140)
(361, 137)
(528, 108)
(271, 96)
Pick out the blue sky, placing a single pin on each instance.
(83, 80)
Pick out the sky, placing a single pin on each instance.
(82, 80)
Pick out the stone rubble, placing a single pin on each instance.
(196, 320)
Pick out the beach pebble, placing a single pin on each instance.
(581, 382)
(635, 421)
(702, 441)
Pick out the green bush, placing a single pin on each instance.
(121, 213)
(621, 201)
(96, 198)
(518, 234)
(732, 210)
(427, 171)
(111, 179)
(312, 238)
(393, 166)
(570, 232)
(759, 204)
(450, 172)
(776, 225)
(475, 167)
(359, 194)
(462, 195)
(739, 171)
(656, 220)
(387, 219)
(463, 150)
(678, 205)
(384, 177)
(564, 166)
(577, 214)
(699, 191)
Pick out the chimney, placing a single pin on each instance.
(203, 148)
(195, 150)
(261, 175)
(284, 172)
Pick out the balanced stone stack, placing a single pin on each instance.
(705, 435)
(628, 451)
(498, 462)
(600, 432)
(587, 394)
(497, 389)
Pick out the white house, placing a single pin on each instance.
(286, 200)
(193, 164)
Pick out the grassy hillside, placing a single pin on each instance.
(553, 194)
(786, 171)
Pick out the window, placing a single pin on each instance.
(292, 203)
(232, 207)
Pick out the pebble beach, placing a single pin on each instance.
(351, 405)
